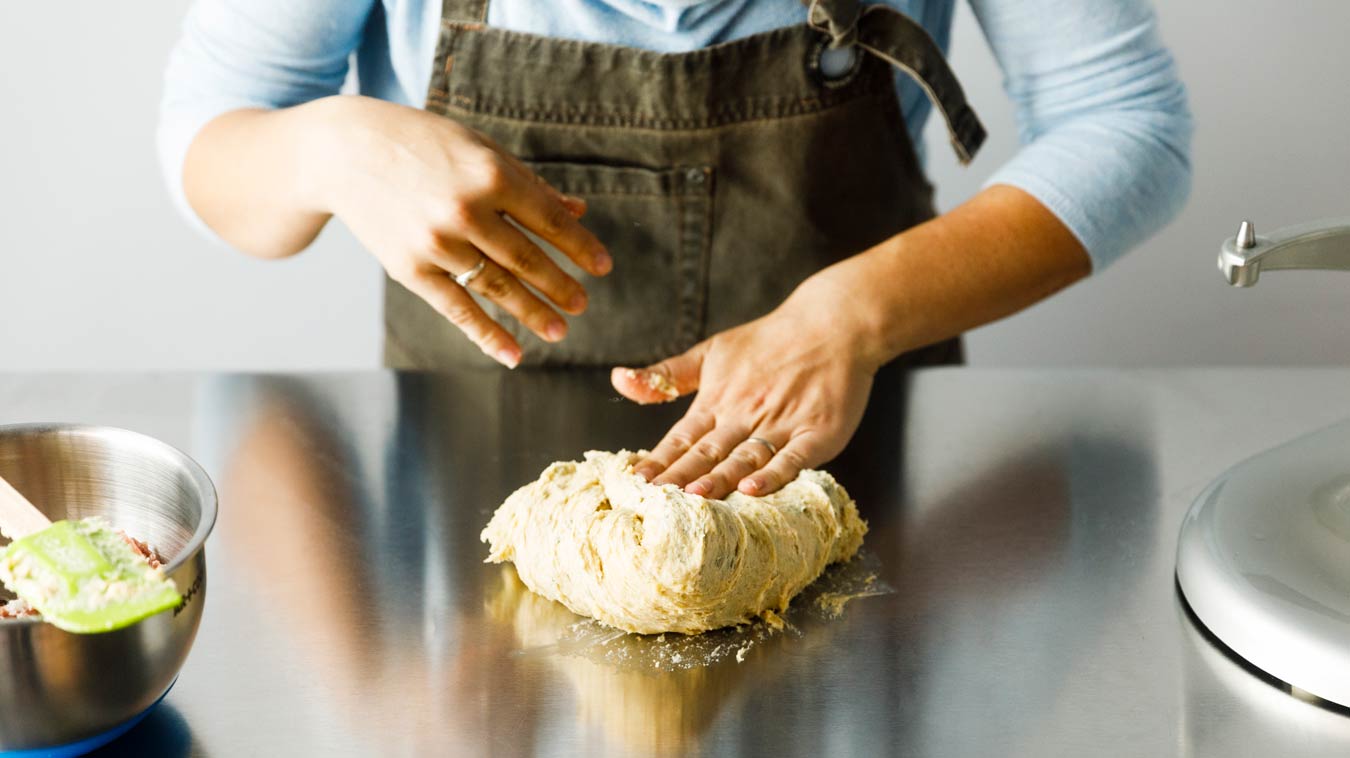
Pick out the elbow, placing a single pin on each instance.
(224, 221)
(1111, 154)
(1115, 177)
(1153, 179)
(1149, 139)
(1159, 123)
(223, 187)
(270, 249)
(194, 186)
(1167, 139)
(1156, 182)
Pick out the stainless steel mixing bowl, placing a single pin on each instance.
(58, 688)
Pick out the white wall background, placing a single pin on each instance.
(97, 271)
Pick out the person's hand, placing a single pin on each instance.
(797, 378)
(429, 198)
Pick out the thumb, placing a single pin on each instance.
(664, 381)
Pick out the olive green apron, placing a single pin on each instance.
(719, 179)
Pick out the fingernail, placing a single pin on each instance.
(656, 382)
(510, 357)
(749, 486)
(556, 330)
(603, 263)
(578, 302)
(697, 488)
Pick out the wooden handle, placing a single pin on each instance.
(18, 517)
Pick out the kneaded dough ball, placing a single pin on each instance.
(595, 537)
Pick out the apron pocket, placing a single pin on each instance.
(656, 225)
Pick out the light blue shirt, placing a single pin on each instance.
(1101, 114)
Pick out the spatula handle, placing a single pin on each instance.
(18, 517)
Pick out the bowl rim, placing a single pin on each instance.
(210, 499)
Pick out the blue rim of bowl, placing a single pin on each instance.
(88, 744)
(210, 500)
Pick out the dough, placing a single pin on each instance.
(595, 537)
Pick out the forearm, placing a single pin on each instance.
(251, 176)
(994, 255)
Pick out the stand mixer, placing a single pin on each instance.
(1263, 558)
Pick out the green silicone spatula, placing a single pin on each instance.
(79, 574)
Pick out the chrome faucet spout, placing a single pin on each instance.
(1318, 245)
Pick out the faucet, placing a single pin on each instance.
(1317, 245)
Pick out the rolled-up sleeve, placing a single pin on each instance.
(1101, 113)
(236, 54)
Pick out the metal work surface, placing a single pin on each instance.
(1026, 521)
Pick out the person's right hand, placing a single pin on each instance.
(429, 198)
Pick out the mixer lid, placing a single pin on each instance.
(1264, 562)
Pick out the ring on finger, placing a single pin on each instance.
(772, 448)
(468, 276)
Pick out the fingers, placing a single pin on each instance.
(453, 302)
(509, 247)
(704, 455)
(664, 381)
(501, 287)
(725, 458)
(799, 453)
(679, 439)
(746, 458)
(575, 205)
(538, 210)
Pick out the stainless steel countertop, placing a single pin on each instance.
(1025, 519)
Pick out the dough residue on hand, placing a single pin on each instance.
(602, 541)
(656, 382)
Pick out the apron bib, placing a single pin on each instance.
(719, 178)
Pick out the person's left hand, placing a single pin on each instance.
(798, 377)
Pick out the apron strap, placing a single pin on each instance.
(464, 11)
(902, 42)
(838, 18)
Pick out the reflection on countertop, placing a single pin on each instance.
(365, 518)
(1026, 521)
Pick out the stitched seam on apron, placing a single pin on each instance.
(765, 109)
(703, 272)
(466, 106)
(682, 328)
(692, 209)
(526, 38)
(620, 193)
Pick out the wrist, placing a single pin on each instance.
(845, 305)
